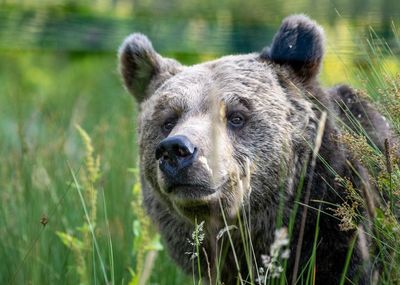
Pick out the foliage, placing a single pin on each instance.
(146, 241)
(57, 70)
(83, 247)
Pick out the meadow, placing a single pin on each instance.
(70, 208)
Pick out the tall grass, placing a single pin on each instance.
(68, 219)
(42, 98)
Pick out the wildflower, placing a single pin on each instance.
(197, 235)
(261, 275)
(280, 241)
(347, 214)
(196, 240)
(271, 263)
(285, 254)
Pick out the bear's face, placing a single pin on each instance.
(211, 133)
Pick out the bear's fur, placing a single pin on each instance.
(254, 121)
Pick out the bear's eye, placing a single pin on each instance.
(168, 126)
(236, 120)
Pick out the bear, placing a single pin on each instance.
(241, 142)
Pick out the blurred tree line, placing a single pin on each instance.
(192, 27)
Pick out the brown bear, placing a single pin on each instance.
(230, 144)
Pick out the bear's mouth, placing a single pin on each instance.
(187, 193)
(194, 201)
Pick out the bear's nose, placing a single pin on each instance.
(175, 153)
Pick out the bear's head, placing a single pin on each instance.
(218, 134)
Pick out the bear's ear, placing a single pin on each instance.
(299, 44)
(141, 66)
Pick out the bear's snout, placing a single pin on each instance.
(175, 154)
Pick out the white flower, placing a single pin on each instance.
(196, 240)
(285, 254)
(277, 252)
(197, 235)
(193, 255)
(265, 259)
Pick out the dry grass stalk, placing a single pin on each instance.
(317, 145)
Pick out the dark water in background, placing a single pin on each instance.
(186, 27)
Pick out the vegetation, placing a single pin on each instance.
(70, 201)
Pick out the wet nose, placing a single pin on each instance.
(175, 153)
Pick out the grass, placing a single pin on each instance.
(66, 221)
(43, 97)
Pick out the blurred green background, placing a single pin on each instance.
(58, 68)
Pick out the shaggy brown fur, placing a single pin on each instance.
(252, 120)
